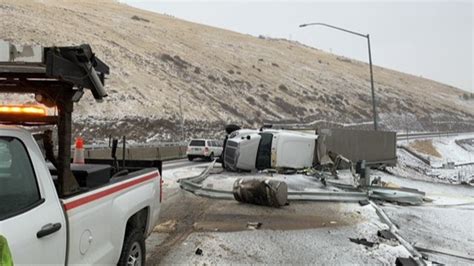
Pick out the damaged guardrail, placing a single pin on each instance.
(418, 258)
(399, 195)
(193, 184)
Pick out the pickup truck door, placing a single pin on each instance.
(31, 216)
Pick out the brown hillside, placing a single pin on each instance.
(223, 76)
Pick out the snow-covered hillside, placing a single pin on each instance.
(221, 76)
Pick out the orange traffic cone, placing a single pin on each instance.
(79, 151)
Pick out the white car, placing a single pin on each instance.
(204, 148)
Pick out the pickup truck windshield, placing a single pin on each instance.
(18, 188)
(201, 143)
(264, 153)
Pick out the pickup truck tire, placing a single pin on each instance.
(190, 158)
(133, 251)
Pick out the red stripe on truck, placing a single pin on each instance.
(104, 193)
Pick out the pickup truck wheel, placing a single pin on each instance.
(133, 251)
(190, 158)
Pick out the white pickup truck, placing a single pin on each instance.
(58, 213)
(249, 149)
(105, 225)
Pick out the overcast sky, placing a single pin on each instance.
(425, 38)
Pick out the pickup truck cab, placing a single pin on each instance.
(106, 224)
(248, 149)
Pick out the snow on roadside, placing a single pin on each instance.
(325, 245)
(441, 194)
(171, 176)
(451, 151)
(411, 167)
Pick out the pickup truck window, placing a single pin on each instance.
(264, 153)
(18, 187)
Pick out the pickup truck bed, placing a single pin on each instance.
(108, 208)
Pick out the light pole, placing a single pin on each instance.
(182, 117)
(374, 110)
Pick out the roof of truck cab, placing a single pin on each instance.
(12, 128)
(8, 127)
(14, 131)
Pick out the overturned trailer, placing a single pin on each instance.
(376, 148)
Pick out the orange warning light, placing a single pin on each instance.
(23, 110)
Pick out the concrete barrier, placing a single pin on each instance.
(415, 154)
(98, 153)
(167, 153)
(143, 153)
(138, 153)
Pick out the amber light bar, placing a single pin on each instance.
(35, 110)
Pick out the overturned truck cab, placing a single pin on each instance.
(248, 150)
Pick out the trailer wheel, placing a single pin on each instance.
(133, 251)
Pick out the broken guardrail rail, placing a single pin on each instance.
(399, 195)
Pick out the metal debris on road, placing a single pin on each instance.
(364, 202)
(404, 196)
(267, 192)
(275, 193)
(362, 241)
(405, 262)
(254, 225)
(440, 250)
(198, 252)
(166, 227)
(386, 234)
